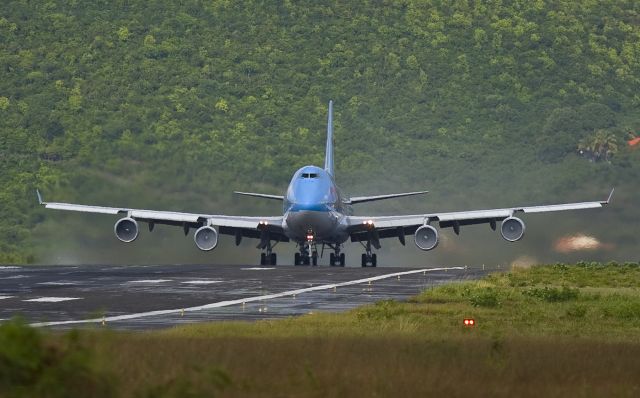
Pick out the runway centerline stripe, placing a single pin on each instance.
(228, 303)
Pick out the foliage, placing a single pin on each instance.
(601, 145)
(31, 366)
(552, 294)
(174, 104)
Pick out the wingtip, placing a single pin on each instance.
(40, 201)
(610, 196)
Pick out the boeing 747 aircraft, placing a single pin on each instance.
(315, 213)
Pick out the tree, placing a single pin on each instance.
(601, 145)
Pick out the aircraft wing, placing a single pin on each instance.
(361, 228)
(251, 227)
(361, 199)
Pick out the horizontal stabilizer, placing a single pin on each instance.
(260, 195)
(361, 199)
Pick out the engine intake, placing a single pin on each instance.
(206, 238)
(426, 237)
(126, 229)
(512, 229)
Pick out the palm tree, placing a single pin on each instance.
(601, 145)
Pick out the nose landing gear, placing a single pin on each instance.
(308, 253)
(303, 258)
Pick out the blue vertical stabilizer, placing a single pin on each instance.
(328, 157)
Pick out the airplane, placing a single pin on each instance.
(315, 212)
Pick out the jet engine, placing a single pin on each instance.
(512, 229)
(206, 238)
(126, 229)
(426, 237)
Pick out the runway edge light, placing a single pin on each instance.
(469, 322)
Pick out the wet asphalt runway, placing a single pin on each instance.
(157, 296)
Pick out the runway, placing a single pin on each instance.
(159, 296)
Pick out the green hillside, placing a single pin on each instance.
(173, 105)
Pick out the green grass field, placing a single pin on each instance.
(561, 330)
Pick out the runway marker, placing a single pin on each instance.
(19, 276)
(203, 282)
(150, 281)
(51, 299)
(257, 269)
(228, 303)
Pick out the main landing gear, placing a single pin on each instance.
(268, 257)
(336, 259)
(369, 258)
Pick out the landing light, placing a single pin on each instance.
(469, 322)
(309, 237)
(368, 222)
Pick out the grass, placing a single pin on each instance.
(545, 331)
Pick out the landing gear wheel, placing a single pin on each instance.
(374, 260)
(296, 259)
(314, 258)
(274, 259)
(342, 260)
(332, 259)
(306, 260)
(364, 260)
(263, 259)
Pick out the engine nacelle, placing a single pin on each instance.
(126, 229)
(512, 229)
(206, 238)
(426, 237)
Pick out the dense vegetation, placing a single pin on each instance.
(561, 330)
(169, 104)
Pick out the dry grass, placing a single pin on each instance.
(338, 367)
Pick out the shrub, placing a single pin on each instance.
(488, 297)
(552, 294)
(33, 367)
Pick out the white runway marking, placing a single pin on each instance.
(56, 283)
(257, 269)
(5, 297)
(151, 281)
(228, 303)
(52, 299)
(16, 277)
(8, 267)
(203, 282)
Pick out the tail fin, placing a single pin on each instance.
(328, 157)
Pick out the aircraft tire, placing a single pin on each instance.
(342, 260)
(296, 259)
(374, 260)
(332, 259)
(274, 259)
(364, 260)
(263, 259)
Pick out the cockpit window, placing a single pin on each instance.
(309, 175)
